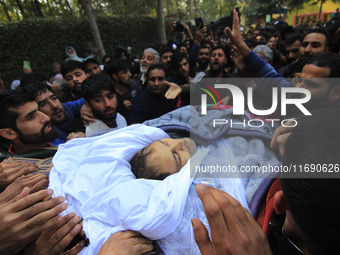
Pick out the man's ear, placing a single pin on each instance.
(334, 94)
(115, 76)
(8, 133)
(280, 203)
(326, 49)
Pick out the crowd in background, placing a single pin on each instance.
(90, 96)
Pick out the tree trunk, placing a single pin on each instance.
(113, 7)
(4, 6)
(69, 7)
(38, 9)
(195, 9)
(51, 11)
(220, 9)
(188, 10)
(177, 9)
(168, 7)
(23, 13)
(161, 25)
(17, 13)
(86, 4)
(34, 10)
(320, 9)
(81, 8)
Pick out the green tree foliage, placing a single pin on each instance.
(39, 30)
(264, 7)
(27, 9)
(43, 41)
(320, 4)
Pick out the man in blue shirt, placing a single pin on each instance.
(65, 117)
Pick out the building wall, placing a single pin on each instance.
(312, 11)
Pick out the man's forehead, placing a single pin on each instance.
(294, 44)
(217, 51)
(167, 53)
(25, 108)
(158, 72)
(43, 95)
(205, 50)
(184, 60)
(103, 92)
(314, 71)
(314, 37)
(149, 54)
(91, 64)
(77, 70)
(124, 70)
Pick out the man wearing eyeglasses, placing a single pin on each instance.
(152, 103)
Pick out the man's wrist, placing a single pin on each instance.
(243, 48)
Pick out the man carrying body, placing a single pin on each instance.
(314, 43)
(152, 103)
(203, 59)
(92, 67)
(292, 47)
(74, 74)
(126, 89)
(22, 124)
(323, 65)
(65, 117)
(150, 57)
(218, 63)
(299, 217)
(100, 95)
(293, 55)
(166, 56)
(180, 69)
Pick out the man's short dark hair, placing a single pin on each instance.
(35, 89)
(314, 203)
(251, 43)
(106, 57)
(71, 65)
(94, 84)
(293, 38)
(156, 66)
(165, 50)
(176, 59)
(227, 54)
(90, 60)
(120, 50)
(220, 47)
(205, 47)
(141, 170)
(319, 31)
(115, 66)
(29, 78)
(330, 60)
(263, 34)
(11, 99)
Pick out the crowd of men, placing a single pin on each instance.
(95, 98)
